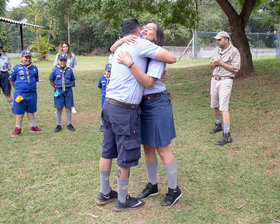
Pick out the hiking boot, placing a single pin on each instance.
(217, 128)
(58, 128)
(16, 132)
(172, 196)
(70, 127)
(150, 190)
(36, 130)
(103, 199)
(224, 140)
(130, 203)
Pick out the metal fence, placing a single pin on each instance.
(261, 44)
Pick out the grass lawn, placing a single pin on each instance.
(54, 177)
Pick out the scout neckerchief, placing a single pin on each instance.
(63, 70)
(27, 72)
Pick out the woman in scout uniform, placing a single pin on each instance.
(24, 78)
(62, 79)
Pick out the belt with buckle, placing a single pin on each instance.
(221, 77)
(121, 104)
(153, 96)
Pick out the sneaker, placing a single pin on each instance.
(226, 138)
(36, 130)
(150, 190)
(16, 132)
(217, 128)
(130, 203)
(103, 199)
(58, 128)
(70, 127)
(172, 197)
(74, 111)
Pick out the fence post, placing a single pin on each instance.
(278, 46)
(195, 44)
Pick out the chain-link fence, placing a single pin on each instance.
(261, 44)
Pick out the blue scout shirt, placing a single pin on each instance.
(56, 77)
(25, 77)
(71, 62)
(124, 86)
(102, 85)
(155, 69)
(5, 64)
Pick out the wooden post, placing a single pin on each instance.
(21, 37)
(7, 42)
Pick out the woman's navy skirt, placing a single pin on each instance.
(157, 124)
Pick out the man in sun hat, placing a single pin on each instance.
(225, 63)
(24, 78)
(5, 66)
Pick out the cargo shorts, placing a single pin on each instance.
(121, 135)
(220, 93)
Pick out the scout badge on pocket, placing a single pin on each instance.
(19, 99)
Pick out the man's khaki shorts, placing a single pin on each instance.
(220, 93)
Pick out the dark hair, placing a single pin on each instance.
(160, 35)
(130, 26)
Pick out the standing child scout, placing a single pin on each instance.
(62, 79)
(102, 85)
(24, 78)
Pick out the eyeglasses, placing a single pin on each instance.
(148, 28)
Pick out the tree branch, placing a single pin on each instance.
(246, 11)
(227, 8)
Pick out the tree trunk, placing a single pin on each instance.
(240, 41)
(238, 36)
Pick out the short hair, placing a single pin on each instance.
(160, 35)
(69, 53)
(130, 26)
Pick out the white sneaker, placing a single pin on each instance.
(73, 110)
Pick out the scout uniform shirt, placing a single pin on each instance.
(124, 86)
(102, 85)
(5, 64)
(25, 77)
(229, 56)
(59, 74)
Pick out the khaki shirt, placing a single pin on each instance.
(229, 56)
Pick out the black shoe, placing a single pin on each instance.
(58, 128)
(171, 197)
(103, 199)
(130, 203)
(224, 140)
(101, 128)
(217, 128)
(70, 127)
(150, 190)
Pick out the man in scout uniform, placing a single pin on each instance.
(5, 66)
(225, 63)
(24, 78)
